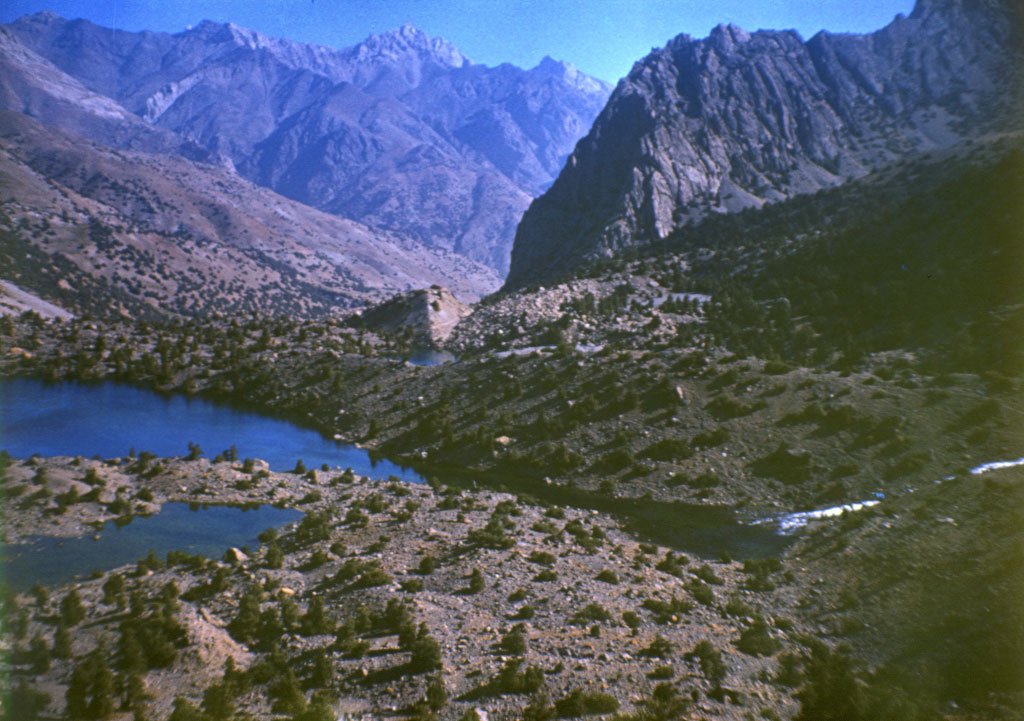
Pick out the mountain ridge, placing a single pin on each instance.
(739, 119)
(480, 141)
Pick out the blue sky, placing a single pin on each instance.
(601, 37)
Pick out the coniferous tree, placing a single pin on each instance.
(62, 641)
(71, 609)
(39, 654)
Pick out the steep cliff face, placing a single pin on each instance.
(401, 131)
(740, 119)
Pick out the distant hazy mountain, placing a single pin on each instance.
(106, 231)
(401, 132)
(739, 119)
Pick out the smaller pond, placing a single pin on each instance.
(207, 530)
(429, 357)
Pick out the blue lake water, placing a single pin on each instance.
(429, 357)
(109, 419)
(206, 530)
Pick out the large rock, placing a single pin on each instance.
(401, 131)
(740, 119)
(427, 317)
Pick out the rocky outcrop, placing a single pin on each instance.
(426, 317)
(401, 131)
(741, 119)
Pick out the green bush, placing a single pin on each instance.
(756, 639)
(513, 643)
(664, 611)
(371, 577)
(542, 558)
(426, 654)
(580, 703)
(707, 574)
(658, 648)
(785, 465)
(591, 612)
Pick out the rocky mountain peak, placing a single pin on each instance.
(741, 119)
(408, 40)
(570, 74)
(725, 37)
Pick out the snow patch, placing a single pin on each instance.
(791, 522)
(995, 466)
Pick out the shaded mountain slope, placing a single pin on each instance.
(165, 236)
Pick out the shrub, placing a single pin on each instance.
(371, 577)
(789, 673)
(476, 581)
(579, 703)
(701, 592)
(712, 438)
(491, 536)
(275, 556)
(631, 619)
(662, 673)
(608, 576)
(525, 613)
(665, 611)
(756, 639)
(542, 558)
(591, 612)
(724, 407)
(658, 648)
(736, 607)
(711, 663)
(908, 463)
(707, 574)
(785, 465)
(513, 643)
(511, 680)
(668, 449)
(672, 564)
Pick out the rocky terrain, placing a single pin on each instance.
(400, 132)
(106, 231)
(597, 607)
(741, 119)
(569, 601)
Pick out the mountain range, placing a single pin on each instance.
(113, 232)
(740, 119)
(401, 132)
